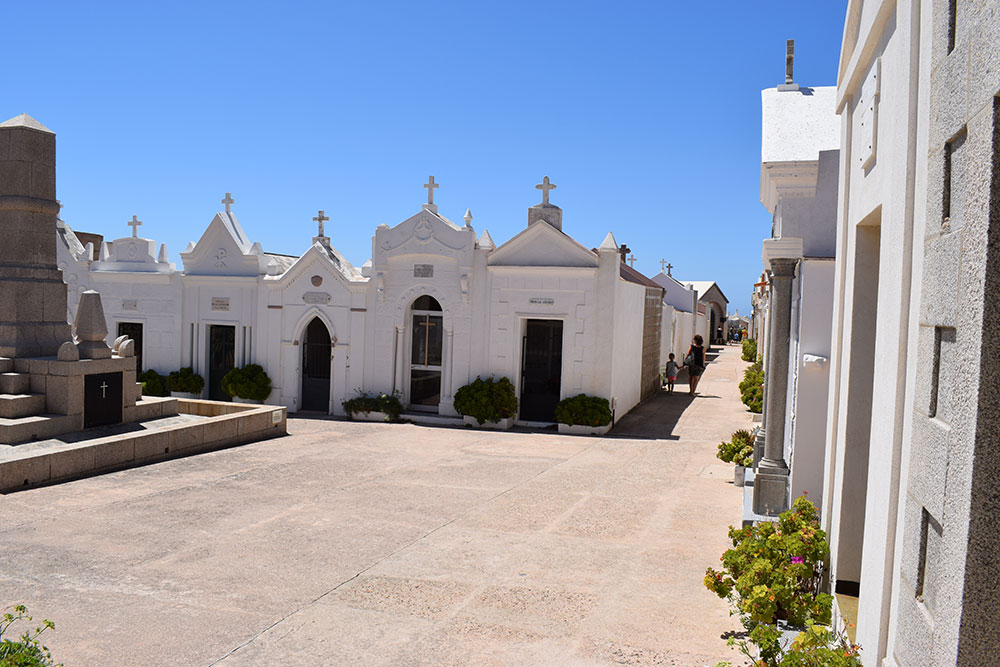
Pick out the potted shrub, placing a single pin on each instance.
(249, 384)
(381, 407)
(739, 450)
(584, 415)
(752, 387)
(185, 383)
(153, 384)
(772, 578)
(488, 403)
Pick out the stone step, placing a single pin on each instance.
(6, 365)
(37, 427)
(21, 405)
(15, 383)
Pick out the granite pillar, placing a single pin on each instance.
(33, 309)
(770, 495)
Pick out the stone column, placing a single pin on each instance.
(770, 484)
(33, 319)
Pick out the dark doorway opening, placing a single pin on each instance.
(426, 354)
(221, 358)
(102, 399)
(134, 331)
(541, 369)
(316, 367)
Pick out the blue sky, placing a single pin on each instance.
(646, 115)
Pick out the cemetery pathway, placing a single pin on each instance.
(381, 544)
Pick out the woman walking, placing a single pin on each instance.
(695, 362)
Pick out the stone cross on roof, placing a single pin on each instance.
(545, 186)
(135, 223)
(666, 266)
(623, 250)
(789, 59)
(631, 261)
(320, 219)
(228, 201)
(430, 185)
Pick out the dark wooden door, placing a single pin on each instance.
(316, 367)
(221, 358)
(134, 331)
(541, 369)
(102, 399)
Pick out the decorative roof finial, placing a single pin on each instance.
(789, 60)
(430, 185)
(135, 223)
(320, 219)
(545, 186)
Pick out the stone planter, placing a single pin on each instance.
(247, 401)
(739, 476)
(580, 429)
(788, 633)
(501, 425)
(373, 416)
(184, 394)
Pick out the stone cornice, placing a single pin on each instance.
(28, 204)
(783, 248)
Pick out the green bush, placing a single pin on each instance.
(153, 384)
(773, 572)
(186, 380)
(749, 350)
(752, 387)
(250, 383)
(584, 410)
(364, 402)
(738, 450)
(487, 400)
(26, 650)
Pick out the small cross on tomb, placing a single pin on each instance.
(135, 223)
(623, 251)
(789, 60)
(669, 266)
(631, 261)
(430, 185)
(229, 201)
(320, 219)
(545, 186)
(104, 389)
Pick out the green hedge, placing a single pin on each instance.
(186, 380)
(749, 350)
(250, 383)
(752, 387)
(584, 410)
(487, 400)
(364, 402)
(153, 384)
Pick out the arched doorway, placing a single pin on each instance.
(316, 367)
(427, 341)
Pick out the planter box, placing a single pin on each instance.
(788, 633)
(373, 416)
(739, 476)
(184, 394)
(502, 425)
(247, 401)
(580, 429)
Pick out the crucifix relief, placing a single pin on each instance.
(430, 185)
(228, 201)
(545, 186)
(320, 219)
(624, 250)
(135, 223)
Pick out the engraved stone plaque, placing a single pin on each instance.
(423, 270)
(220, 303)
(316, 297)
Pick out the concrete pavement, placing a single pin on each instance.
(382, 544)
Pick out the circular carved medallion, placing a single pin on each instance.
(317, 281)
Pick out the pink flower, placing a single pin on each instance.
(796, 559)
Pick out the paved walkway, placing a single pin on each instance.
(378, 544)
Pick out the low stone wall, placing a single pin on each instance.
(225, 425)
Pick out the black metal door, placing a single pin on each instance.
(221, 358)
(102, 399)
(316, 367)
(541, 369)
(134, 331)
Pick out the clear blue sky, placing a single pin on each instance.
(645, 114)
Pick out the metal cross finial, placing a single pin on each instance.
(789, 59)
(320, 218)
(631, 261)
(545, 186)
(669, 266)
(430, 185)
(135, 223)
(228, 201)
(623, 251)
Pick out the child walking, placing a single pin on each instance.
(671, 373)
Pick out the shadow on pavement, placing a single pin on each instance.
(656, 418)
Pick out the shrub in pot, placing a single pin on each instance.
(387, 404)
(584, 410)
(737, 448)
(153, 384)
(186, 381)
(250, 383)
(487, 400)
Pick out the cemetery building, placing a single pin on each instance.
(436, 306)
(714, 303)
(680, 309)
